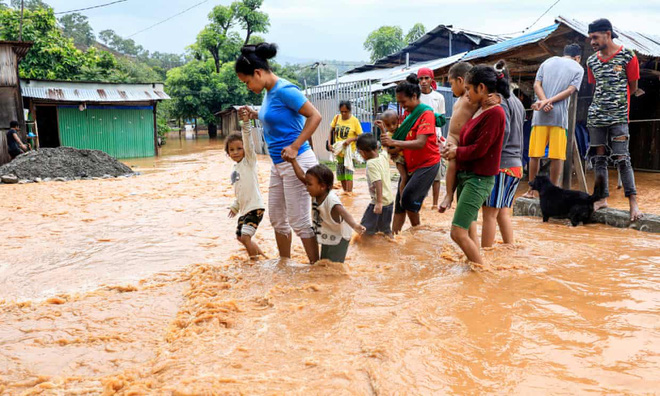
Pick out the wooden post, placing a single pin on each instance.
(20, 29)
(568, 164)
(33, 110)
(579, 171)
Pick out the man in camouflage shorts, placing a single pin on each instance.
(615, 71)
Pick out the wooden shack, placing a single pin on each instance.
(118, 119)
(228, 120)
(11, 107)
(525, 54)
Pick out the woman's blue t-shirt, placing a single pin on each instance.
(280, 118)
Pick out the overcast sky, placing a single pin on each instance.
(336, 29)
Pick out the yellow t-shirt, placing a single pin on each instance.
(379, 169)
(346, 129)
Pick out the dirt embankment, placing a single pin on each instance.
(63, 163)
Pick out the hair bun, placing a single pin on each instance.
(247, 50)
(412, 78)
(266, 50)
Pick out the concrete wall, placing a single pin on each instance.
(612, 217)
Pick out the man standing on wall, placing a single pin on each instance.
(615, 72)
(14, 143)
(556, 80)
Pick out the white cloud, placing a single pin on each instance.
(336, 29)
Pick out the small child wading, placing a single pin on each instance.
(378, 216)
(248, 204)
(333, 225)
(388, 124)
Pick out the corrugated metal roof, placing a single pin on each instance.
(434, 64)
(66, 91)
(644, 44)
(382, 77)
(376, 74)
(235, 107)
(512, 43)
(475, 36)
(376, 86)
(433, 45)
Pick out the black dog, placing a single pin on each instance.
(557, 202)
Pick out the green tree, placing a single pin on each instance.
(52, 55)
(255, 39)
(417, 31)
(250, 18)
(31, 5)
(384, 41)
(101, 67)
(198, 91)
(207, 82)
(216, 39)
(190, 87)
(76, 26)
(108, 37)
(119, 44)
(164, 60)
(307, 74)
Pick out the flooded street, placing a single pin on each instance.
(138, 286)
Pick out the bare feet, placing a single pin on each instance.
(635, 213)
(445, 204)
(531, 194)
(602, 204)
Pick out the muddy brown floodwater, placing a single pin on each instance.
(137, 286)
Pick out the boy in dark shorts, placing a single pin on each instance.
(14, 143)
(378, 216)
(248, 204)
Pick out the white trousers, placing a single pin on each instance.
(289, 203)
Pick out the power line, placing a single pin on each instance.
(72, 11)
(542, 15)
(537, 19)
(167, 19)
(90, 8)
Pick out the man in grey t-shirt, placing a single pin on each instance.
(556, 80)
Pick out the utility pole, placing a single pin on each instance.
(317, 66)
(20, 31)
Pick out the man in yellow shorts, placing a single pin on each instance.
(556, 80)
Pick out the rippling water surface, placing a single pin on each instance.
(137, 286)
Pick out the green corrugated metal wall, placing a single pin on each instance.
(119, 132)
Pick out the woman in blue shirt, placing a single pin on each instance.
(289, 121)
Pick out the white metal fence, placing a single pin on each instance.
(258, 139)
(326, 99)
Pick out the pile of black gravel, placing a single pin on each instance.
(64, 163)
